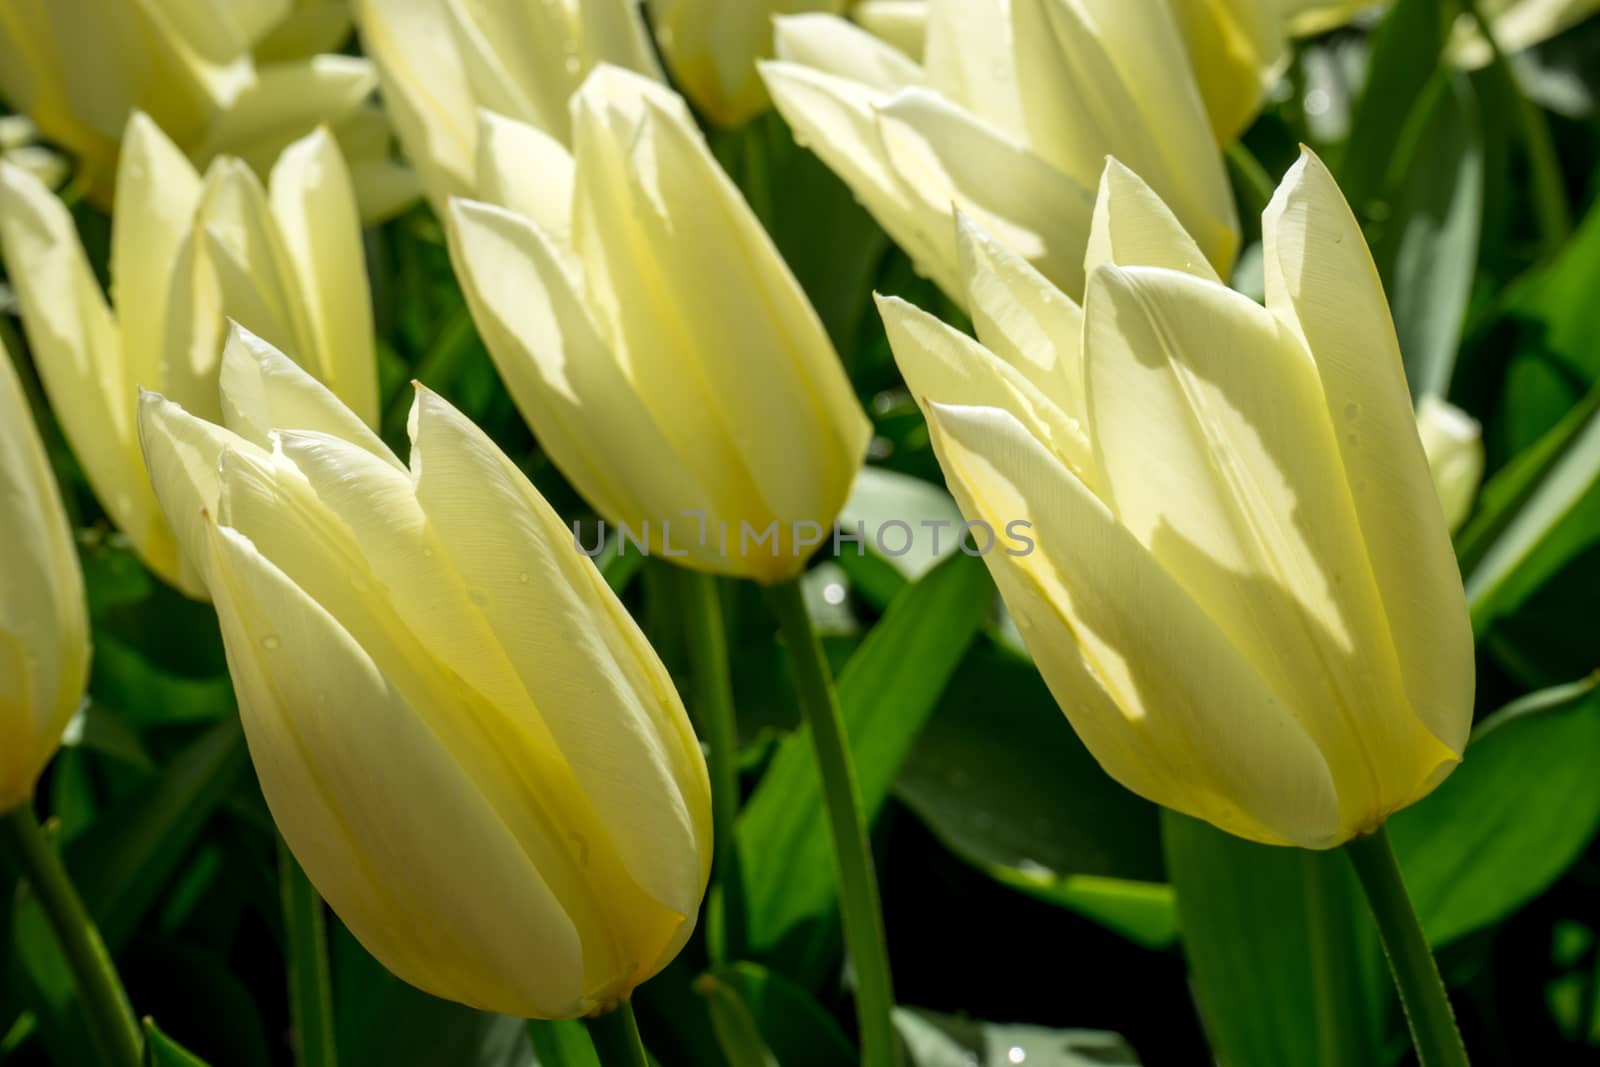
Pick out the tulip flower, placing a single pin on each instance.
(80, 70)
(1453, 441)
(1242, 590)
(186, 253)
(464, 738)
(652, 335)
(443, 60)
(1008, 118)
(711, 47)
(44, 628)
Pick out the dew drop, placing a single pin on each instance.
(270, 642)
(1352, 440)
(523, 577)
(1352, 411)
(580, 845)
(833, 593)
(1016, 1054)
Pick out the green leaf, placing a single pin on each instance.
(161, 1051)
(1519, 811)
(999, 775)
(762, 1018)
(1282, 952)
(887, 690)
(562, 1043)
(1429, 249)
(934, 1040)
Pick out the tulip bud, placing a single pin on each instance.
(466, 741)
(712, 46)
(1453, 441)
(442, 60)
(186, 254)
(1240, 589)
(44, 628)
(80, 70)
(667, 359)
(1008, 118)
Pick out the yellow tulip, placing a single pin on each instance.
(1009, 118)
(902, 23)
(44, 628)
(711, 47)
(652, 335)
(80, 70)
(461, 733)
(443, 60)
(1241, 589)
(1453, 441)
(186, 254)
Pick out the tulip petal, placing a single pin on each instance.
(1322, 283)
(525, 170)
(1155, 690)
(315, 210)
(1133, 227)
(941, 365)
(285, 100)
(574, 646)
(834, 46)
(837, 119)
(1217, 454)
(264, 390)
(970, 58)
(901, 23)
(160, 191)
(313, 703)
(251, 267)
(944, 155)
(1022, 318)
(563, 376)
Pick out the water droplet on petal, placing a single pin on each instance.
(270, 642)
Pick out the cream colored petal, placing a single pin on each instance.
(315, 209)
(1133, 227)
(901, 23)
(1022, 318)
(78, 353)
(159, 190)
(285, 101)
(1518, 26)
(565, 379)
(425, 90)
(837, 119)
(512, 69)
(314, 26)
(1238, 51)
(1155, 690)
(943, 366)
(945, 157)
(831, 45)
(44, 627)
(221, 32)
(525, 170)
(1453, 442)
(1321, 282)
(971, 58)
(264, 390)
(250, 266)
(396, 835)
(1217, 454)
(600, 688)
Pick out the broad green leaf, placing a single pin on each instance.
(887, 690)
(762, 1019)
(1282, 952)
(562, 1043)
(911, 524)
(162, 1051)
(1520, 810)
(1429, 248)
(146, 695)
(1000, 777)
(934, 1040)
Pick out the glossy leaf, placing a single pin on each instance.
(762, 1018)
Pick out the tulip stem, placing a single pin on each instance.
(1416, 975)
(852, 852)
(616, 1038)
(713, 693)
(112, 1026)
(310, 986)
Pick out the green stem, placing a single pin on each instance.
(112, 1024)
(1549, 189)
(1332, 961)
(852, 854)
(616, 1038)
(1416, 975)
(713, 697)
(1257, 182)
(310, 988)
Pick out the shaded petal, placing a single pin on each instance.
(525, 170)
(834, 46)
(1133, 227)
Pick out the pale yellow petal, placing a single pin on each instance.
(315, 210)
(1321, 282)
(1238, 51)
(1218, 455)
(831, 45)
(285, 101)
(971, 58)
(1453, 441)
(525, 170)
(901, 23)
(1155, 690)
(401, 846)
(314, 26)
(250, 266)
(1133, 227)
